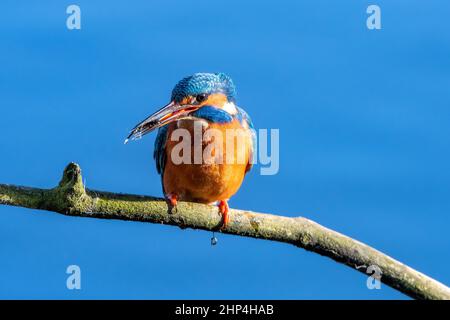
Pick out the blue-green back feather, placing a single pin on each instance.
(244, 117)
(159, 153)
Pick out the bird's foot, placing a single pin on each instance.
(172, 201)
(224, 210)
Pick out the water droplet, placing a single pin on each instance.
(214, 240)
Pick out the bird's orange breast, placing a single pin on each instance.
(221, 169)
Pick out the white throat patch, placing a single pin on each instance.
(230, 107)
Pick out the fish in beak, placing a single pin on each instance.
(169, 113)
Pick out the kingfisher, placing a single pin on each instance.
(201, 103)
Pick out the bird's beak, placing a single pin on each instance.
(171, 112)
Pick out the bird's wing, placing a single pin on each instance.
(159, 154)
(245, 119)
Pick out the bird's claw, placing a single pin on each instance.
(172, 201)
(224, 210)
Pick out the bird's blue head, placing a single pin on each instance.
(189, 95)
(204, 84)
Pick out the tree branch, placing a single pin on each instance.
(71, 198)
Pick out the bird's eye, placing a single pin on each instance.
(201, 97)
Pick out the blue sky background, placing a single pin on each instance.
(364, 119)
